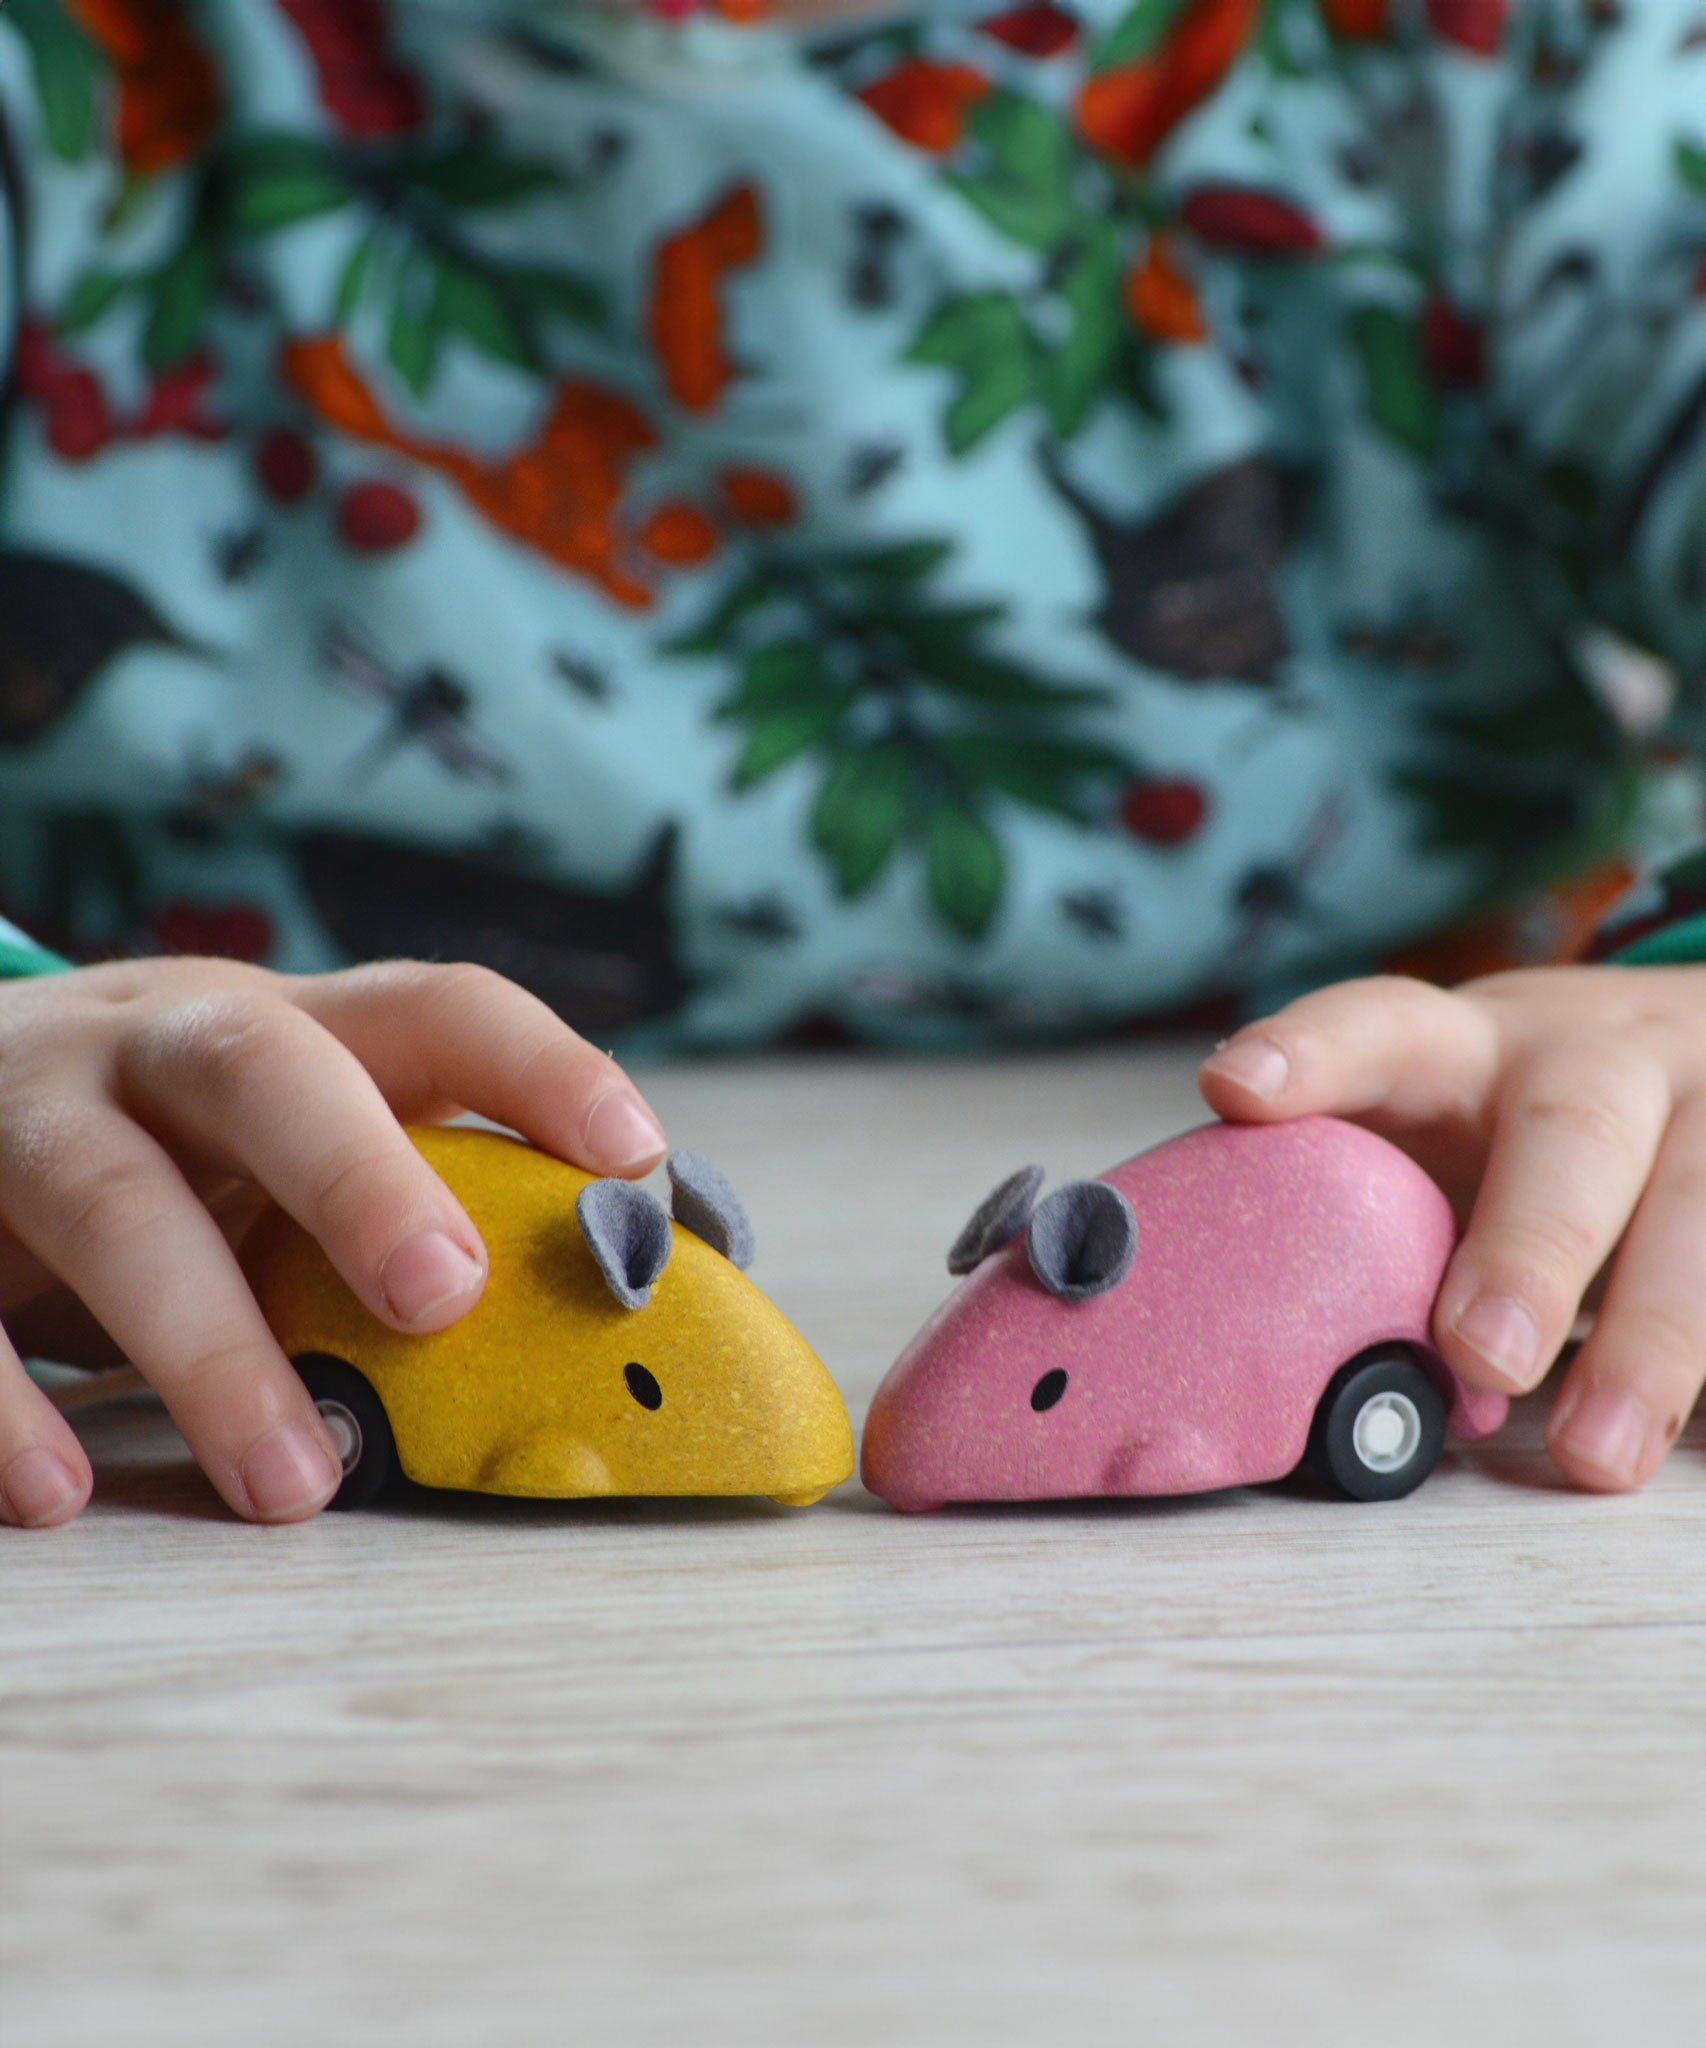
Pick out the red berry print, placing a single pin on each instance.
(1128, 110)
(680, 533)
(1474, 25)
(174, 402)
(1043, 30)
(1454, 345)
(39, 367)
(1165, 812)
(926, 102)
(79, 417)
(759, 496)
(229, 931)
(361, 87)
(79, 420)
(375, 517)
(285, 467)
(1249, 222)
(1360, 20)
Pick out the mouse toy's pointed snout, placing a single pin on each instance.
(908, 1453)
(785, 1429)
(889, 1467)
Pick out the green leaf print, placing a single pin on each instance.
(352, 280)
(465, 303)
(786, 674)
(183, 289)
(778, 736)
(1137, 32)
(1079, 370)
(964, 868)
(472, 175)
(748, 594)
(278, 179)
(861, 813)
(907, 562)
(942, 651)
(1401, 401)
(562, 293)
(1026, 189)
(66, 68)
(91, 296)
(984, 338)
(925, 729)
(411, 341)
(1047, 775)
(1691, 165)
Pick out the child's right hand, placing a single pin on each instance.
(140, 1099)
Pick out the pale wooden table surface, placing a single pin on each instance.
(1249, 1769)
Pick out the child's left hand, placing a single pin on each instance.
(1565, 1109)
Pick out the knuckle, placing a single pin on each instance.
(234, 1043)
(1599, 1120)
(1398, 988)
(223, 1360)
(356, 1178)
(552, 1046)
(1547, 1256)
(1502, 983)
(41, 1141)
(464, 984)
(1661, 1344)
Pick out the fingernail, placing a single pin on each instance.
(426, 1272)
(288, 1472)
(621, 1131)
(1608, 1430)
(38, 1487)
(1501, 1331)
(1256, 1063)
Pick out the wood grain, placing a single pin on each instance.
(1255, 1768)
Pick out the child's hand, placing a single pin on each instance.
(138, 1099)
(1568, 1106)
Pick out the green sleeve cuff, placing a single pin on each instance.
(18, 957)
(1682, 944)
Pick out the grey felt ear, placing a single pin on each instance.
(1082, 1239)
(628, 1234)
(996, 1220)
(702, 1201)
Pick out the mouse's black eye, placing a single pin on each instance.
(646, 1390)
(1048, 1390)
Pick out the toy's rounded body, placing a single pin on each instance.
(531, 1392)
(1267, 1257)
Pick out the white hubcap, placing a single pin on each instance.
(1387, 1433)
(345, 1431)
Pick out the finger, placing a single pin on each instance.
(1394, 1052)
(98, 1201)
(44, 1475)
(466, 1034)
(1574, 1139)
(1631, 1386)
(260, 1086)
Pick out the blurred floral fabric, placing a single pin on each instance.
(954, 523)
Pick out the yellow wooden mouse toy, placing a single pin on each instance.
(613, 1350)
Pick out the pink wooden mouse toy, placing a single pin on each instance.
(1211, 1313)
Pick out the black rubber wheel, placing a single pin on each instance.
(360, 1428)
(1380, 1427)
